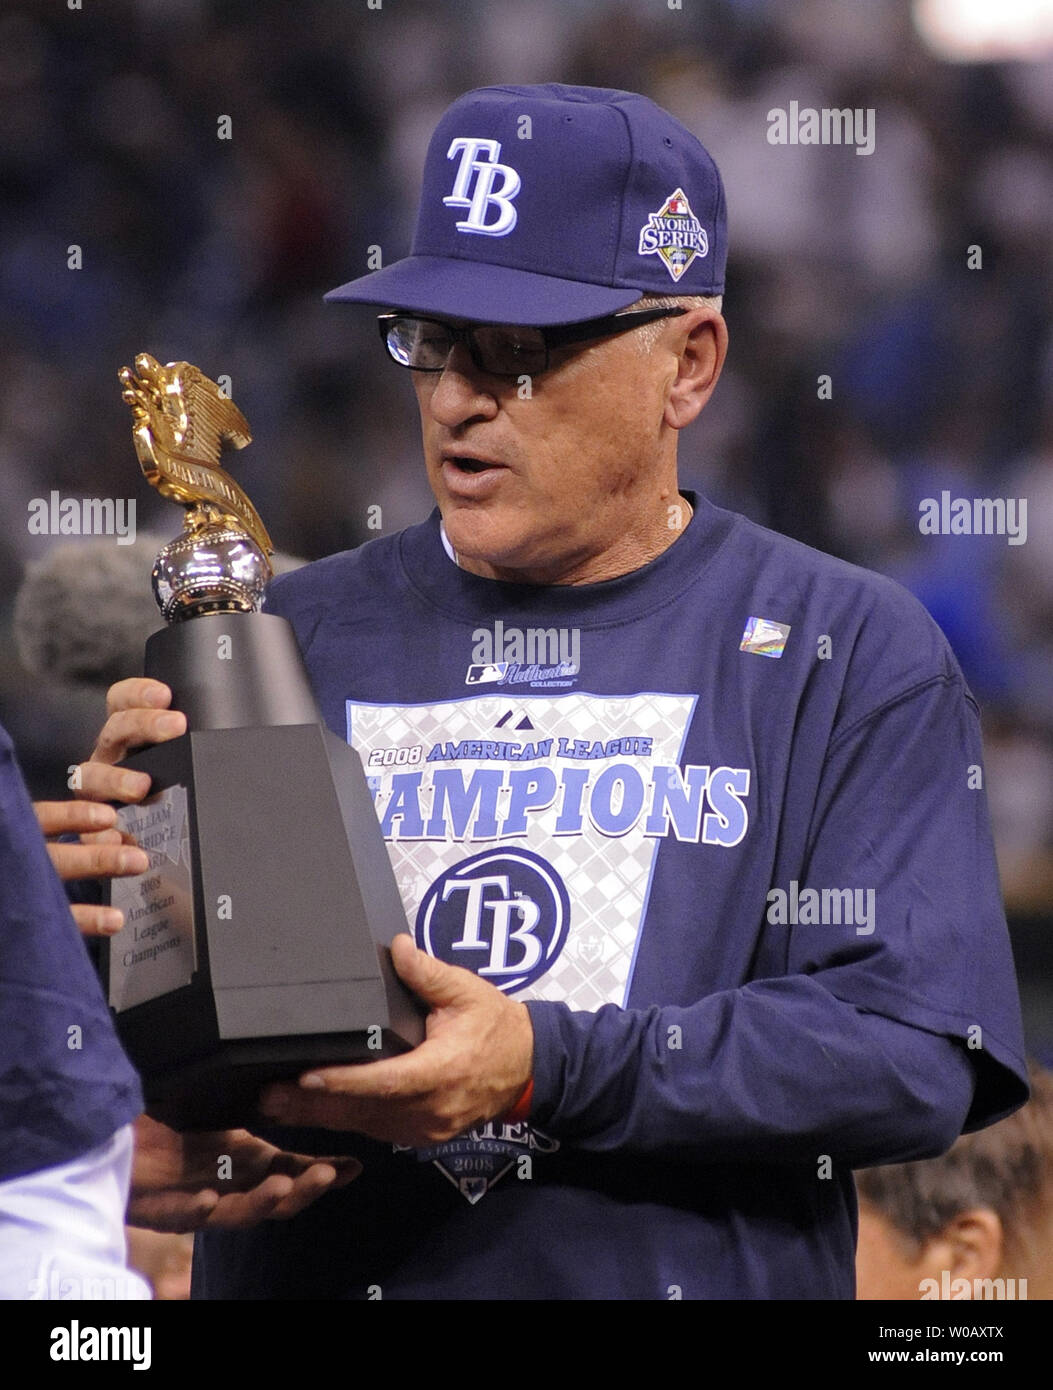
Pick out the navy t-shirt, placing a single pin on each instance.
(720, 822)
(65, 1084)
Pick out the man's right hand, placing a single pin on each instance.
(228, 1178)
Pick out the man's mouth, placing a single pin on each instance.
(466, 463)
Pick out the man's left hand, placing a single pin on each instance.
(472, 1066)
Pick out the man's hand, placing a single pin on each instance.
(104, 852)
(138, 715)
(179, 1181)
(472, 1066)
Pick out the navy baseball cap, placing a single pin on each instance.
(555, 204)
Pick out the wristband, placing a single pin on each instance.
(521, 1109)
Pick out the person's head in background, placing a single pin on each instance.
(982, 1211)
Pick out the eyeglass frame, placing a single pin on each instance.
(552, 336)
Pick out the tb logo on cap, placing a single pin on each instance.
(480, 158)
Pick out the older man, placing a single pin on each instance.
(687, 817)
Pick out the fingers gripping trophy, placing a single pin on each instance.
(256, 944)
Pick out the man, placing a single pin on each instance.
(974, 1223)
(620, 743)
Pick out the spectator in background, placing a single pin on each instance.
(959, 1225)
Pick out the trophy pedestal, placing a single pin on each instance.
(256, 945)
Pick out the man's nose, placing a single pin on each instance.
(461, 391)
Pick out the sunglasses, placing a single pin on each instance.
(424, 344)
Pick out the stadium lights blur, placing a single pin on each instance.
(986, 31)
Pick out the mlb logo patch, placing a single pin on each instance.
(764, 637)
(484, 672)
(675, 234)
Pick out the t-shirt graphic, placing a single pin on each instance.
(523, 832)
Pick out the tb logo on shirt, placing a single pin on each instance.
(503, 914)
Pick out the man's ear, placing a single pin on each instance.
(970, 1246)
(700, 338)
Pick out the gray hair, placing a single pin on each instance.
(649, 333)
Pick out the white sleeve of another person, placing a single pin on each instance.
(62, 1228)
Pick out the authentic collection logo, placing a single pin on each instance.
(534, 656)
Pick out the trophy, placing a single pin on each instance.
(256, 946)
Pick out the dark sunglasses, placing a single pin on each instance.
(424, 344)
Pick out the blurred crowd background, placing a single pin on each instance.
(852, 266)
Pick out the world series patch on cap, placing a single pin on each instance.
(556, 204)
